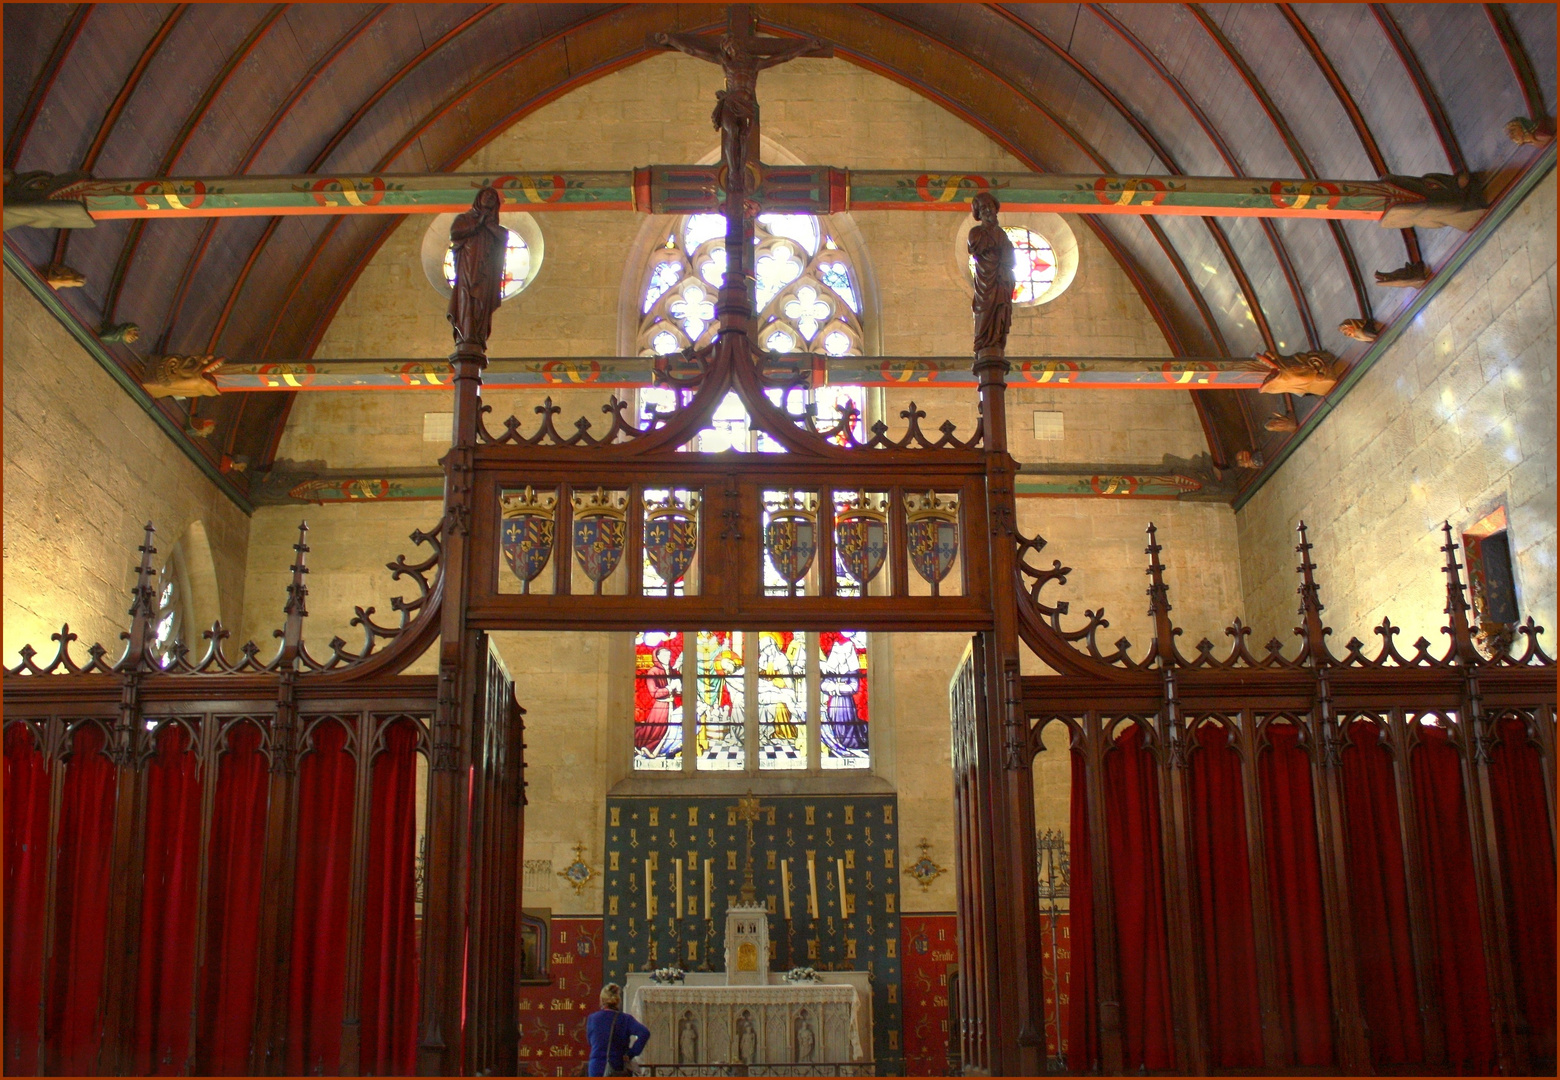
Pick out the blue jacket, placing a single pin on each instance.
(628, 1040)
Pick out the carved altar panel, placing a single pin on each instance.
(779, 1023)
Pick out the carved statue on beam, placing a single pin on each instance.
(1303, 373)
(992, 251)
(479, 243)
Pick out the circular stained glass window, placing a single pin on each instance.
(517, 265)
(1034, 264)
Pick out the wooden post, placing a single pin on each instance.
(1275, 1048)
(368, 737)
(1107, 969)
(1401, 742)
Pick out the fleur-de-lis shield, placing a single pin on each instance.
(527, 542)
(934, 545)
(862, 543)
(598, 545)
(670, 542)
(792, 542)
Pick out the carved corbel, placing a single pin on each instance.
(1433, 201)
(1303, 373)
(1529, 131)
(1408, 276)
(60, 276)
(182, 376)
(120, 334)
(40, 200)
(1366, 330)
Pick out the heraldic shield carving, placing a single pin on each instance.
(672, 538)
(861, 539)
(932, 532)
(526, 536)
(791, 534)
(600, 532)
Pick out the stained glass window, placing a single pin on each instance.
(842, 727)
(1034, 264)
(782, 701)
(722, 724)
(658, 702)
(517, 265)
(805, 287)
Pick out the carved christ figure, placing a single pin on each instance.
(479, 243)
(993, 255)
(741, 54)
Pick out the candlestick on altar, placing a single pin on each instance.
(708, 864)
(679, 889)
(812, 887)
(840, 864)
(785, 885)
(649, 891)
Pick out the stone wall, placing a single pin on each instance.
(85, 469)
(1454, 420)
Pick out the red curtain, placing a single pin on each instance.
(389, 1000)
(165, 982)
(1378, 900)
(1453, 903)
(1527, 858)
(73, 1029)
(1223, 875)
(1083, 1047)
(27, 782)
(317, 992)
(227, 1006)
(1137, 880)
(1294, 877)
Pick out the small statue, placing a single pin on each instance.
(993, 254)
(1366, 330)
(479, 243)
(182, 376)
(1526, 131)
(60, 276)
(1408, 276)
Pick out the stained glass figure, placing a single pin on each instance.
(1034, 264)
(831, 404)
(842, 728)
(782, 701)
(658, 702)
(517, 265)
(721, 725)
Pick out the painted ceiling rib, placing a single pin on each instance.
(1296, 151)
(17, 139)
(1350, 107)
(176, 148)
(1227, 155)
(1517, 57)
(1427, 94)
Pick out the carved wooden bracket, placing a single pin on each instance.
(1434, 201)
(181, 376)
(1303, 373)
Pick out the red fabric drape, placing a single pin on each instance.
(167, 955)
(27, 783)
(1223, 874)
(389, 1001)
(1294, 877)
(1527, 858)
(227, 1007)
(1083, 1047)
(1453, 904)
(1137, 880)
(73, 1027)
(317, 992)
(1378, 900)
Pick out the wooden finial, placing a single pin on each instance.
(1456, 601)
(296, 608)
(1310, 597)
(143, 606)
(1159, 597)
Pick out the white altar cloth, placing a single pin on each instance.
(781, 1022)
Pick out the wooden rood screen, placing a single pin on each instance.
(210, 862)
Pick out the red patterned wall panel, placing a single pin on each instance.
(1056, 959)
(552, 1017)
(929, 954)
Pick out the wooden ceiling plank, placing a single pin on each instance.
(1427, 94)
(16, 140)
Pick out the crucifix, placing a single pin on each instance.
(749, 811)
(741, 54)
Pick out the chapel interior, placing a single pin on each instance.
(1077, 595)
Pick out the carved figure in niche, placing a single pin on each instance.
(747, 1039)
(687, 1040)
(182, 376)
(806, 1040)
(1366, 330)
(1304, 373)
(479, 243)
(1408, 276)
(993, 255)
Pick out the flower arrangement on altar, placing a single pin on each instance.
(667, 975)
(803, 975)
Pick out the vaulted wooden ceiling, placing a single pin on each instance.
(1345, 91)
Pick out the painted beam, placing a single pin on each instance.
(613, 373)
(680, 189)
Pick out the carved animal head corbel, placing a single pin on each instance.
(182, 376)
(1303, 373)
(1366, 330)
